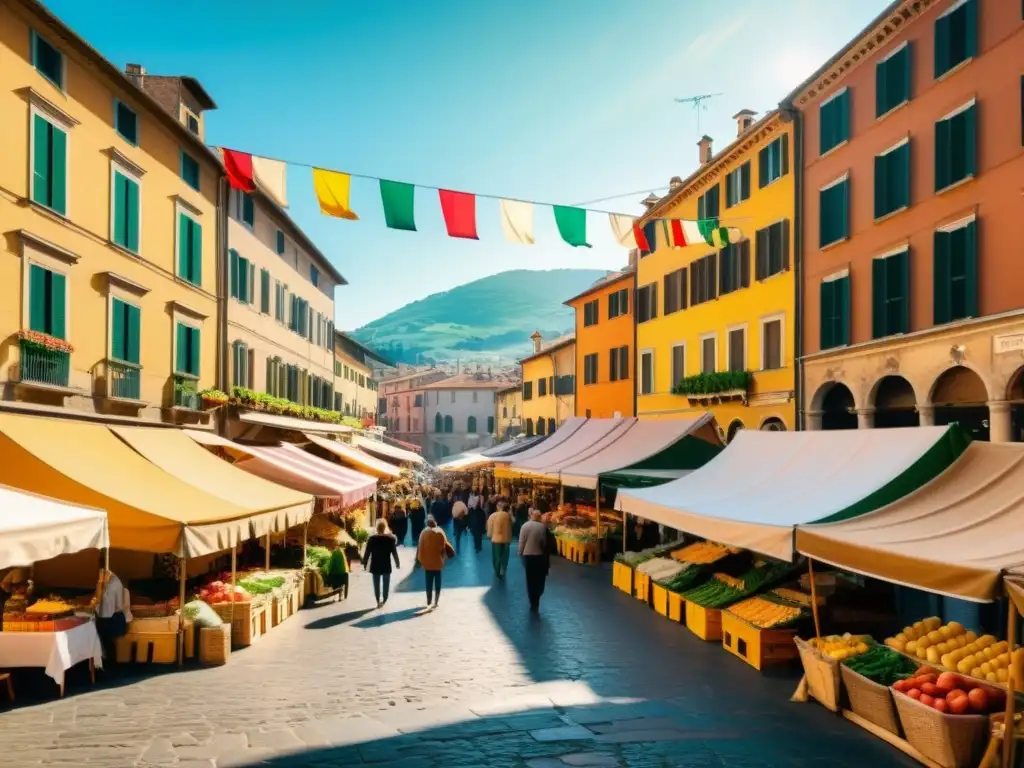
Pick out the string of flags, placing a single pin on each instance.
(247, 172)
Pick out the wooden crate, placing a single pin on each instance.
(249, 624)
(280, 609)
(147, 648)
(622, 577)
(642, 587)
(676, 607)
(215, 644)
(297, 597)
(705, 623)
(758, 647)
(659, 599)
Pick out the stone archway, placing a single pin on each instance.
(735, 428)
(835, 402)
(773, 424)
(1015, 401)
(895, 403)
(959, 396)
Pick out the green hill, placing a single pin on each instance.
(483, 320)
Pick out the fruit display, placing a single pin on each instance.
(930, 641)
(882, 665)
(985, 658)
(949, 693)
(796, 596)
(221, 592)
(722, 589)
(765, 614)
(703, 553)
(49, 607)
(841, 647)
(661, 568)
(634, 559)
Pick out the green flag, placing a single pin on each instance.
(707, 229)
(572, 225)
(397, 197)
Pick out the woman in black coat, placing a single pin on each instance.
(381, 549)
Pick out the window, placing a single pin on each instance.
(956, 36)
(280, 243)
(190, 249)
(834, 115)
(124, 224)
(892, 179)
(48, 60)
(955, 146)
(675, 291)
(243, 277)
(542, 387)
(773, 162)
(242, 373)
(452, 396)
(192, 123)
(709, 354)
(47, 301)
(834, 212)
(771, 344)
(736, 340)
(835, 312)
(737, 185)
(540, 426)
(618, 303)
(646, 372)
(890, 295)
(708, 204)
(471, 425)
(590, 313)
(678, 364)
(772, 250)
(449, 424)
(314, 275)
(248, 212)
(647, 303)
(504, 411)
(264, 292)
(734, 267)
(126, 122)
(49, 164)
(956, 272)
(190, 170)
(529, 427)
(124, 331)
(892, 80)
(490, 425)
(551, 426)
(186, 358)
(618, 367)
(703, 280)
(563, 385)
(590, 369)
(527, 390)
(438, 423)
(279, 301)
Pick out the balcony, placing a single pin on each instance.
(186, 392)
(715, 387)
(124, 380)
(44, 365)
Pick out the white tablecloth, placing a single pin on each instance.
(53, 651)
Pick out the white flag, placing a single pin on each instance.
(272, 178)
(517, 221)
(622, 228)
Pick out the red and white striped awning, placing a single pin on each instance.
(291, 466)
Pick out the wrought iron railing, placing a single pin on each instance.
(45, 366)
(186, 393)
(125, 380)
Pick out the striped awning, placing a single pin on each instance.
(291, 466)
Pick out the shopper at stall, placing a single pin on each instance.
(460, 512)
(432, 551)
(499, 529)
(522, 515)
(533, 551)
(477, 521)
(381, 549)
(417, 517)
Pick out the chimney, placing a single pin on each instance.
(650, 201)
(136, 73)
(704, 151)
(537, 340)
(744, 119)
(674, 183)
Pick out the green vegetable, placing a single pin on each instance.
(271, 581)
(255, 587)
(882, 665)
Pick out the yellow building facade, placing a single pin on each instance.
(355, 390)
(109, 217)
(508, 406)
(549, 385)
(715, 327)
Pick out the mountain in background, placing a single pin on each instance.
(483, 320)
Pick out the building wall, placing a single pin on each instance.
(508, 412)
(770, 399)
(78, 243)
(560, 362)
(405, 418)
(604, 398)
(353, 381)
(460, 405)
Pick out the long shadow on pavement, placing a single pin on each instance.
(383, 619)
(329, 622)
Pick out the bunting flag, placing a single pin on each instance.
(399, 210)
(238, 169)
(332, 192)
(459, 210)
(272, 177)
(680, 233)
(517, 221)
(623, 229)
(572, 225)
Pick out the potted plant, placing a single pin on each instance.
(213, 398)
(43, 342)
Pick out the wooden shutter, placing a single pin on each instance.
(669, 293)
(881, 87)
(762, 168)
(745, 181)
(712, 283)
(971, 270)
(881, 186)
(970, 11)
(784, 151)
(132, 215)
(843, 308)
(193, 351)
(58, 305)
(654, 300)
(134, 327)
(233, 258)
(943, 152)
(181, 348)
(118, 335)
(683, 294)
(825, 120)
(744, 252)
(41, 176)
(941, 279)
(970, 139)
(904, 273)
(59, 172)
(784, 224)
(264, 291)
(879, 294)
(195, 252)
(251, 284)
(844, 212)
(702, 206)
(184, 246)
(825, 314)
(761, 254)
(37, 315)
(120, 210)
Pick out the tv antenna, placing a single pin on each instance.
(698, 104)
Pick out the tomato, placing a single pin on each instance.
(929, 677)
(947, 681)
(926, 700)
(926, 670)
(900, 685)
(940, 705)
(957, 704)
(978, 699)
(929, 688)
(914, 693)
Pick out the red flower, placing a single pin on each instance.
(44, 341)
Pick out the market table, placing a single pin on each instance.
(55, 652)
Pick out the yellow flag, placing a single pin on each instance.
(332, 191)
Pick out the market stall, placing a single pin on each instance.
(387, 451)
(565, 432)
(590, 437)
(471, 460)
(357, 458)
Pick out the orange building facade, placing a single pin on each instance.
(605, 347)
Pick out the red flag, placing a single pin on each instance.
(676, 235)
(238, 167)
(641, 238)
(459, 209)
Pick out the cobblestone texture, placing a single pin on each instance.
(596, 680)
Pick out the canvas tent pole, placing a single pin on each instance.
(234, 568)
(814, 599)
(597, 509)
(182, 572)
(266, 557)
(625, 531)
(1009, 741)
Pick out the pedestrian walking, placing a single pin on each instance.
(432, 551)
(381, 549)
(460, 513)
(477, 521)
(499, 529)
(522, 515)
(533, 551)
(417, 517)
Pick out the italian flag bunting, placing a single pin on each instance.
(238, 169)
(572, 225)
(459, 209)
(397, 198)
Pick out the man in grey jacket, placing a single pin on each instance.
(533, 551)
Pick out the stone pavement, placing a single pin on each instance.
(596, 680)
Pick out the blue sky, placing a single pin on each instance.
(559, 101)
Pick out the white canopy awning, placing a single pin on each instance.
(387, 450)
(359, 459)
(35, 528)
(592, 438)
(563, 433)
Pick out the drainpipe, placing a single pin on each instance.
(222, 285)
(634, 364)
(798, 262)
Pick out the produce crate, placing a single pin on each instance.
(870, 700)
(249, 623)
(822, 675)
(147, 648)
(584, 552)
(705, 623)
(560, 545)
(758, 647)
(296, 597)
(215, 644)
(280, 609)
(622, 577)
(659, 599)
(642, 587)
(676, 607)
(190, 640)
(951, 741)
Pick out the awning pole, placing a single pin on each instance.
(597, 508)
(814, 599)
(266, 557)
(1009, 740)
(182, 572)
(561, 495)
(625, 532)
(106, 559)
(234, 568)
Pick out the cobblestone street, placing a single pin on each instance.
(596, 680)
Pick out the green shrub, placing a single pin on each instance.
(713, 383)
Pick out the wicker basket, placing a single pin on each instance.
(952, 741)
(822, 674)
(215, 644)
(870, 700)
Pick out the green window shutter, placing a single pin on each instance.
(120, 211)
(195, 252)
(132, 235)
(58, 305)
(184, 246)
(252, 283)
(969, 119)
(881, 188)
(901, 172)
(41, 175)
(844, 211)
(118, 334)
(941, 279)
(943, 153)
(843, 310)
(243, 279)
(37, 316)
(971, 270)
(881, 90)
(133, 324)
(904, 272)
(879, 293)
(193, 351)
(181, 348)
(264, 291)
(233, 255)
(970, 11)
(826, 310)
(762, 168)
(942, 44)
(58, 170)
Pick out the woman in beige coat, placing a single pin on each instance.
(432, 550)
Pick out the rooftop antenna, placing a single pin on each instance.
(698, 104)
